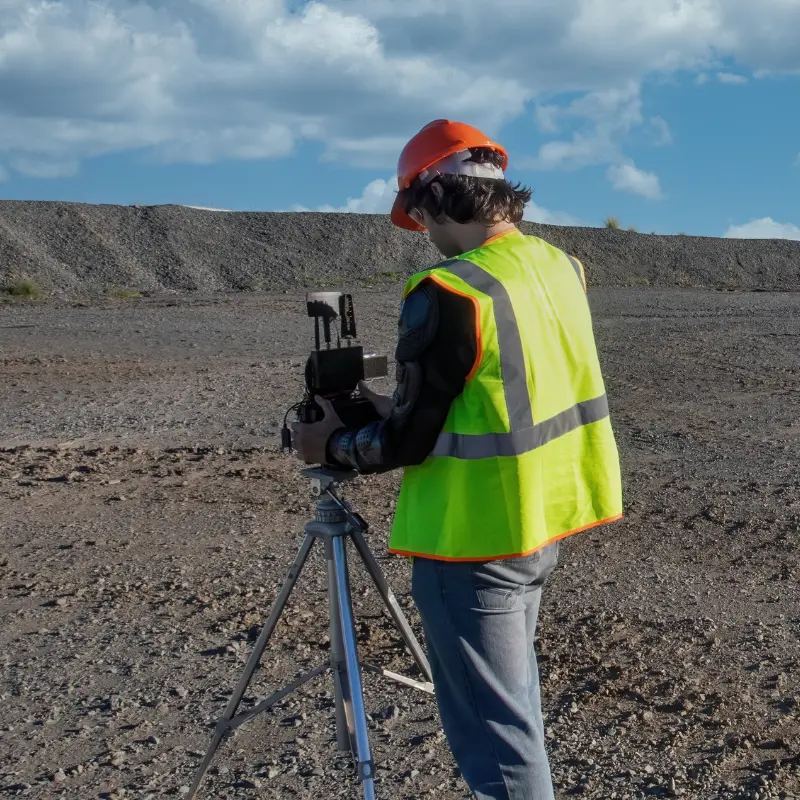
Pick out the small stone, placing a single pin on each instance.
(649, 770)
(647, 716)
(59, 776)
(152, 740)
(273, 772)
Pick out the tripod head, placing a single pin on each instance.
(324, 479)
(323, 482)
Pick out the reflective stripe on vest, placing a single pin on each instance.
(512, 360)
(516, 443)
(524, 435)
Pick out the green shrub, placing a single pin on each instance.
(25, 287)
(612, 222)
(632, 229)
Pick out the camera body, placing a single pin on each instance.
(334, 372)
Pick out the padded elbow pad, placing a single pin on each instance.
(409, 383)
(361, 449)
(419, 319)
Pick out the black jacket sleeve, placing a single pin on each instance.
(436, 351)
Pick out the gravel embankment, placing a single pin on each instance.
(78, 249)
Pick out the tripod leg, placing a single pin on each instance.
(338, 668)
(252, 663)
(366, 766)
(392, 606)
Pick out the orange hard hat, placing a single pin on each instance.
(435, 142)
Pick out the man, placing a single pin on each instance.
(501, 422)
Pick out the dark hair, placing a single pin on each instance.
(470, 199)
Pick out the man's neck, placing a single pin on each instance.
(472, 235)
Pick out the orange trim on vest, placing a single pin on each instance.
(512, 555)
(477, 307)
(499, 236)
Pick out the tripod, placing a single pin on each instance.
(334, 522)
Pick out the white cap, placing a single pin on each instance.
(457, 164)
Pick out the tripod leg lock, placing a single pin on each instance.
(366, 770)
(362, 525)
(224, 729)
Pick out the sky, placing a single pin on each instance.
(675, 116)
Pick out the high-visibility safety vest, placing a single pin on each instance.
(527, 454)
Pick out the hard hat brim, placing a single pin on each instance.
(401, 219)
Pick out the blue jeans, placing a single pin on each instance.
(479, 621)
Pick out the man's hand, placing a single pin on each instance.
(383, 403)
(311, 438)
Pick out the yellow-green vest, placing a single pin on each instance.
(527, 454)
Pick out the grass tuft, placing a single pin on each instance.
(613, 223)
(25, 287)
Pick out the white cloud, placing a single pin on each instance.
(377, 198)
(204, 80)
(206, 208)
(547, 118)
(663, 133)
(44, 167)
(765, 228)
(731, 78)
(702, 79)
(607, 118)
(535, 213)
(593, 44)
(628, 177)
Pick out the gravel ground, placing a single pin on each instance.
(149, 518)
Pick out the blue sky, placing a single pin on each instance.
(673, 116)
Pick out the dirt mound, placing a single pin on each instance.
(71, 248)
